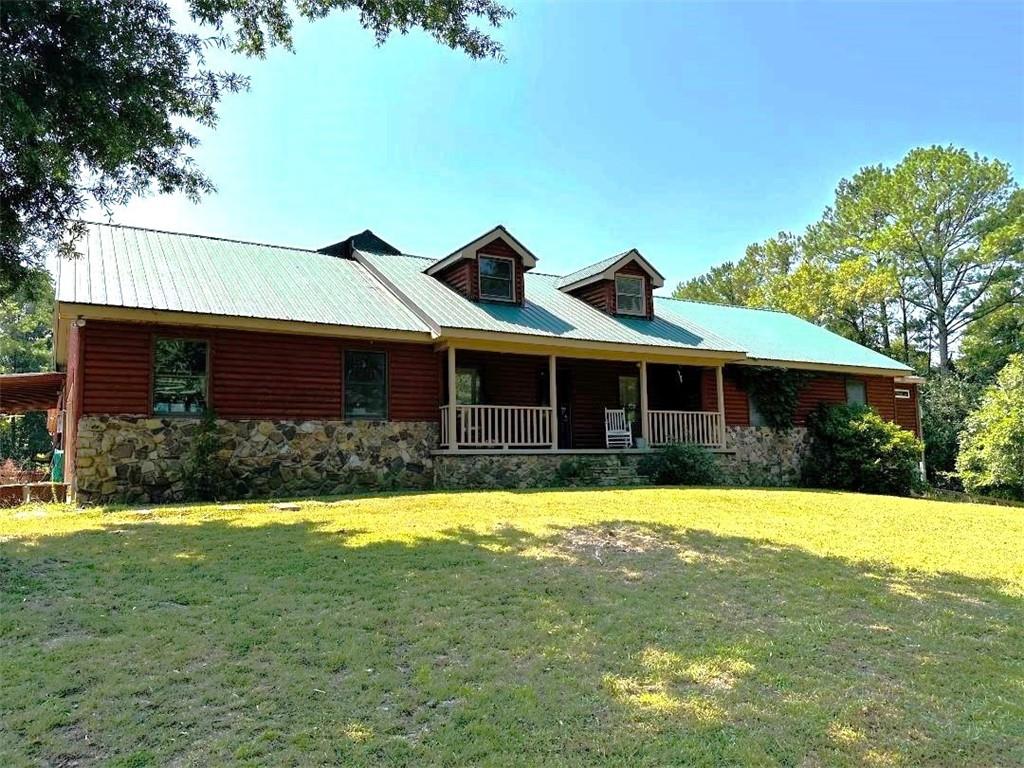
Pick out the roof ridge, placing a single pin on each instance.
(730, 306)
(204, 237)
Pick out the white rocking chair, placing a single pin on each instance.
(618, 432)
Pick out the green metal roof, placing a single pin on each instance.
(589, 271)
(777, 336)
(548, 312)
(141, 268)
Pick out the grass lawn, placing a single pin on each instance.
(595, 627)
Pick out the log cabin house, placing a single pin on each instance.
(357, 366)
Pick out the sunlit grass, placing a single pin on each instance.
(617, 627)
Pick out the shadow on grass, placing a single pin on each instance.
(618, 643)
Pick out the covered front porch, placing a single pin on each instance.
(505, 401)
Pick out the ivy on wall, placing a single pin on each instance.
(776, 391)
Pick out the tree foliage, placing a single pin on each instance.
(946, 401)
(906, 258)
(98, 98)
(991, 456)
(26, 325)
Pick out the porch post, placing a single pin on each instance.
(720, 389)
(453, 442)
(553, 400)
(645, 417)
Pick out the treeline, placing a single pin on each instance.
(921, 261)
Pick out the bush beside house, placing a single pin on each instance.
(853, 448)
(680, 464)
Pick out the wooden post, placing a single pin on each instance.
(645, 417)
(553, 400)
(720, 389)
(453, 441)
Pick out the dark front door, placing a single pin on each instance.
(629, 401)
(565, 402)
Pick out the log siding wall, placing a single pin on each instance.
(251, 375)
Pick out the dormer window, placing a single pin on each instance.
(497, 278)
(629, 295)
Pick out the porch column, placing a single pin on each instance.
(645, 417)
(453, 443)
(553, 400)
(720, 389)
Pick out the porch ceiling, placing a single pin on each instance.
(23, 392)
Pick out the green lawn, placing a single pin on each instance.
(569, 628)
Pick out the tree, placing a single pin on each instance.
(747, 282)
(946, 401)
(96, 97)
(991, 456)
(26, 344)
(954, 224)
(989, 342)
(26, 317)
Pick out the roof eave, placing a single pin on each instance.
(468, 251)
(608, 273)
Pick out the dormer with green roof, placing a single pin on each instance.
(621, 285)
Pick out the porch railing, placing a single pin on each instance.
(499, 426)
(699, 427)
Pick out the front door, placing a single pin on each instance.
(565, 390)
(629, 401)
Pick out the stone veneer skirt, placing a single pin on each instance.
(140, 460)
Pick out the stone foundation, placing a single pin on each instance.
(761, 456)
(140, 460)
(535, 470)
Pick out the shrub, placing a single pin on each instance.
(853, 448)
(203, 471)
(680, 464)
(776, 391)
(991, 456)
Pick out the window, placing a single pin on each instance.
(497, 275)
(629, 295)
(756, 417)
(179, 376)
(902, 393)
(366, 385)
(467, 386)
(856, 393)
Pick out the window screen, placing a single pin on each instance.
(856, 393)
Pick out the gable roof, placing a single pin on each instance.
(148, 269)
(771, 336)
(468, 251)
(605, 270)
(547, 313)
(126, 267)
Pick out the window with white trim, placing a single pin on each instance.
(629, 295)
(497, 278)
(902, 393)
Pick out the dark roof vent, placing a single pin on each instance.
(364, 241)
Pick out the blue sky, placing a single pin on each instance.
(685, 130)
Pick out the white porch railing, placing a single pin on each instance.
(499, 426)
(699, 427)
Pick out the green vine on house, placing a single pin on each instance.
(776, 391)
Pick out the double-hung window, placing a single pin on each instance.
(629, 295)
(180, 376)
(366, 385)
(497, 278)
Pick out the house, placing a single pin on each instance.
(358, 366)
